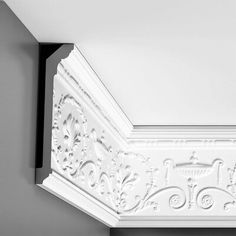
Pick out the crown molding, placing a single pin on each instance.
(176, 222)
(87, 80)
(126, 175)
(64, 189)
(182, 136)
(82, 73)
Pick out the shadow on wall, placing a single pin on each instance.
(172, 232)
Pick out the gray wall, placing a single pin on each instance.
(26, 209)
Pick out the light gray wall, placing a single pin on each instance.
(25, 209)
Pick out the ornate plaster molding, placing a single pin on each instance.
(87, 81)
(129, 176)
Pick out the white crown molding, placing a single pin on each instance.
(183, 136)
(132, 176)
(176, 222)
(84, 75)
(65, 190)
(78, 68)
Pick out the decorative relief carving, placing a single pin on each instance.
(116, 176)
(69, 134)
(86, 158)
(192, 171)
(67, 74)
(133, 136)
(232, 180)
(122, 174)
(231, 188)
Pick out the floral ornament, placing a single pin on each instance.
(101, 149)
(231, 188)
(232, 180)
(124, 179)
(69, 135)
(111, 174)
(71, 139)
(72, 135)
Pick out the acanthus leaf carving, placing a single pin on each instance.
(115, 175)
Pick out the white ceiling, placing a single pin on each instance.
(164, 61)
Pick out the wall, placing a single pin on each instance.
(26, 209)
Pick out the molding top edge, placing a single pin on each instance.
(101, 101)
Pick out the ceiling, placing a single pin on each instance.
(166, 62)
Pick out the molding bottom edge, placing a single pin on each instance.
(66, 191)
